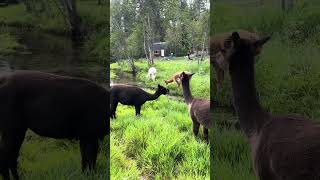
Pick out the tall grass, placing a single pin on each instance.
(46, 158)
(287, 74)
(158, 145)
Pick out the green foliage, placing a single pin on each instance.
(17, 15)
(138, 24)
(135, 42)
(157, 145)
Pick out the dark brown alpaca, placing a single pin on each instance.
(199, 109)
(217, 47)
(176, 78)
(51, 106)
(132, 95)
(282, 148)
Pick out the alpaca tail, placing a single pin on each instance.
(168, 81)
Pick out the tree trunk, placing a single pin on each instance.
(283, 5)
(27, 5)
(286, 5)
(148, 41)
(203, 45)
(72, 18)
(145, 46)
(131, 64)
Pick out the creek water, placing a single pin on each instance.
(51, 53)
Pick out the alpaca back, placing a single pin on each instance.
(128, 95)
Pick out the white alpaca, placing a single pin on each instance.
(152, 73)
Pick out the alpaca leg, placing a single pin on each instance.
(17, 140)
(89, 151)
(138, 108)
(5, 174)
(115, 110)
(195, 127)
(114, 105)
(178, 82)
(4, 167)
(11, 142)
(206, 134)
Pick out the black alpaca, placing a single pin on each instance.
(52, 106)
(199, 109)
(132, 95)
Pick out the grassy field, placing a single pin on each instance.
(287, 74)
(160, 144)
(200, 84)
(46, 158)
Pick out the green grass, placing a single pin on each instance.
(160, 144)
(165, 69)
(157, 145)
(8, 44)
(287, 74)
(46, 158)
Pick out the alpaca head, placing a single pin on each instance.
(234, 45)
(222, 50)
(185, 76)
(162, 90)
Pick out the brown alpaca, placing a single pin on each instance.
(176, 78)
(199, 109)
(282, 148)
(132, 95)
(217, 47)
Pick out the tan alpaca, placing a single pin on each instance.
(176, 78)
(217, 47)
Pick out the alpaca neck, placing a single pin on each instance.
(251, 115)
(187, 92)
(154, 96)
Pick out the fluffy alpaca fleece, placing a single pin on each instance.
(152, 72)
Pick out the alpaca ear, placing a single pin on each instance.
(159, 86)
(261, 42)
(183, 73)
(235, 36)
